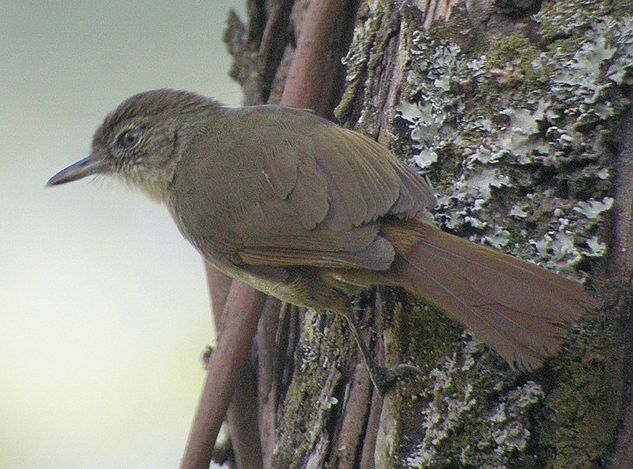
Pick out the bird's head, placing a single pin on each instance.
(142, 140)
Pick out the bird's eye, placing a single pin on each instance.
(129, 138)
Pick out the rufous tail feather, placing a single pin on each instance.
(517, 308)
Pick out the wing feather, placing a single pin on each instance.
(290, 188)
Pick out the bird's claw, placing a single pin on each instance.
(386, 378)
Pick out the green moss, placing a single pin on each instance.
(513, 51)
(466, 408)
(422, 333)
(459, 30)
(470, 411)
(581, 412)
(314, 396)
(371, 37)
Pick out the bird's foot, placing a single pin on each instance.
(386, 378)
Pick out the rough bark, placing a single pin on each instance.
(517, 112)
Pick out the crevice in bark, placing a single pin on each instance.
(620, 266)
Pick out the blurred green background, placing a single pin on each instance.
(103, 306)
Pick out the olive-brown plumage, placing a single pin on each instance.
(312, 213)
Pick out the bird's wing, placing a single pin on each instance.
(309, 192)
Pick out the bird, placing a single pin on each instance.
(313, 213)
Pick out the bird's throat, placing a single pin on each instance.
(155, 183)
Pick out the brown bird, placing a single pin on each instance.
(312, 213)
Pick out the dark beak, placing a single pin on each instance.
(87, 167)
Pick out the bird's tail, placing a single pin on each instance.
(517, 308)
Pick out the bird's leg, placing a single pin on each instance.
(383, 378)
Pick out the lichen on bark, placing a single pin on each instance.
(516, 133)
(314, 395)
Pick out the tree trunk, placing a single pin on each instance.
(518, 113)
